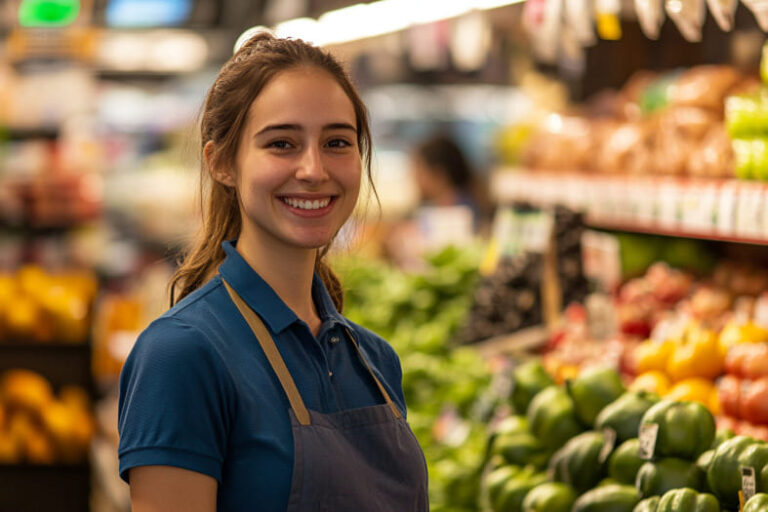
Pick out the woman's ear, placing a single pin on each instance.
(223, 176)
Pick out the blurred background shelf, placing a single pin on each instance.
(60, 364)
(34, 488)
(725, 210)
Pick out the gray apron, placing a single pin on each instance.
(364, 459)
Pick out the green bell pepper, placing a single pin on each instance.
(724, 472)
(648, 504)
(578, 462)
(656, 478)
(757, 503)
(610, 498)
(624, 414)
(592, 390)
(550, 497)
(528, 380)
(551, 417)
(687, 500)
(624, 462)
(686, 429)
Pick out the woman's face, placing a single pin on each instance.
(298, 164)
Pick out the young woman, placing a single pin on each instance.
(253, 392)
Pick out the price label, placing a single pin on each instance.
(610, 441)
(726, 209)
(748, 486)
(647, 437)
(670, 199)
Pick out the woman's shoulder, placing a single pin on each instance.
(372, 343)
(181, 332)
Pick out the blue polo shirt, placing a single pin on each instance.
(197, 391)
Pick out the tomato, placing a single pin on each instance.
(754, 402)
(729, 392)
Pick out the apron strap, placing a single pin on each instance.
(387, 398)
(273, 355)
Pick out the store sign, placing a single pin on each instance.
(71, 42)
(48, 13)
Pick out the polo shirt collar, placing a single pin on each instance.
(264, 300)
(324, 304)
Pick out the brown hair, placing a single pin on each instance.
(223, 119)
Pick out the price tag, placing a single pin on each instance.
(647, 437)
(645, 213)
(726, 209)
(749, 210)
(610, 441)
(748, 486)
(670, 199)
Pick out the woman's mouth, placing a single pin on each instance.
(309, 207)
(307, 204)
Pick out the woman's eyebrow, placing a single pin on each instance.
(340, 126)
(279, 127)
(297, 127)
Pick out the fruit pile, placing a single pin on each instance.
(743, 390)
(507, 300)
(37, 306)
(591, 445)
(40, 427)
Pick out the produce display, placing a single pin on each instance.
(507, 300)
(657, 124)
(635, 453)
(38, 426)
(37, 306)
(447, 389)
(568, 230)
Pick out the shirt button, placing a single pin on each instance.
(334, 339)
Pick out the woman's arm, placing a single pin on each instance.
(171, 489)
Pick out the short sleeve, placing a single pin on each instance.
(176, 401)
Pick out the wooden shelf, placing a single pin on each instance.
(524, 340)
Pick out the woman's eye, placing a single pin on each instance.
(339, 143)
(280, 144)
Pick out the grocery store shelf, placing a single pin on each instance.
(726, 210)
(32, 487)
(60, 364)
(43, 132)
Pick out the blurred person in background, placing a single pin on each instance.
(253, 392)
(452, 209)
(443, 175)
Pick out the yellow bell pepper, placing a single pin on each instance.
(749, 332)
(654, 381)
(696, 389)
(699, 355)
(653, 355)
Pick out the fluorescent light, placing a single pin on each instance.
(361, 21)
(301, 28)
(154, 50)
(249, 33)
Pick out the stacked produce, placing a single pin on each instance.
(447, 389)
(507, 300)
(568, 228)
(745, 121)
(743, 390)
(38, 306)
(591, 446)
(658, 124)
(38, 426)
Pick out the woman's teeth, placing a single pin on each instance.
(305, 204)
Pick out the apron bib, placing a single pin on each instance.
(364, 459)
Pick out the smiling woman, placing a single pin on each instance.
(241, 397)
